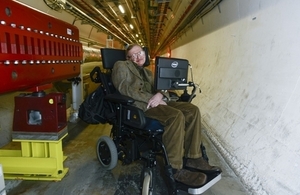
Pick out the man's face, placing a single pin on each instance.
(137, 55)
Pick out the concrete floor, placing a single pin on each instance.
(87, 177)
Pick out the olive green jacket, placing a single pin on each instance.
(128, 81)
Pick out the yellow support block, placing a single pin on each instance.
(10, 153)
(37, 160)
(28, 165)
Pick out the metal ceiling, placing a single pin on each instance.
(156, 23)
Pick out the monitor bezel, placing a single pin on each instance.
(163, 63)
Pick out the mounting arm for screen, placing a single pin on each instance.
(186, 97)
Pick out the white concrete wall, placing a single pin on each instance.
(245, 57)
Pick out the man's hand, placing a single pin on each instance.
(156, 100)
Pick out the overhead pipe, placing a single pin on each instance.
(131, 13)
(96, 22)
(145, 24)
(163, 9)
(143, 21)
(174, 10)
(154, 28)
(201, 11)
(162, 45)
(119, 18)
(107, 20)
(113, 25)
(207, 9)
(114, 12)
(134, 19)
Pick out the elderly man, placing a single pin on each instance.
(181, 120)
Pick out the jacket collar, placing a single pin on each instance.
(133, 68)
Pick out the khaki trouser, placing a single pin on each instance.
(182, 130)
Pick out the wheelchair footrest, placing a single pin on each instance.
(211, 180)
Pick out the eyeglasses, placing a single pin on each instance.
(138, 54)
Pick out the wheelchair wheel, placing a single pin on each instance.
(147, 183)
(107, 152)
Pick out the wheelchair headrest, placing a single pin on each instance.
(110, 56)
(147, 62)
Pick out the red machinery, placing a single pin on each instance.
(36, 49)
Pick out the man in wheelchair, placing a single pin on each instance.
(181, 120)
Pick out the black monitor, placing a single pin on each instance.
(171, 73)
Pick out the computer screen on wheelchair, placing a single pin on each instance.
(171, 73)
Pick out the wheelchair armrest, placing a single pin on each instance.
(120, 99)
(134, 117)
(130, 115)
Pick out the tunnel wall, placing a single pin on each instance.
(245, 58)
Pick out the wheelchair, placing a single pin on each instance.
(135, 137)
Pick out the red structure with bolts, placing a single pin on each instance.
(36, 50)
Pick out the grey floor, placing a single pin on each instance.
(87, 177)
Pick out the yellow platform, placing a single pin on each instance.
(35, 160)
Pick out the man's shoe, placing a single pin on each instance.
(193, 179)
(201, 164)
